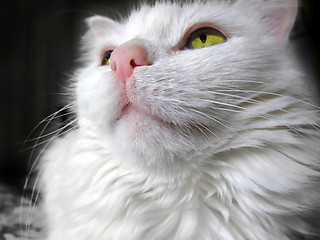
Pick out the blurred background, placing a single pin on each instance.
(39, 42)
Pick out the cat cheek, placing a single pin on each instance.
(100, 98)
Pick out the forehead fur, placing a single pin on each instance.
(171, 20)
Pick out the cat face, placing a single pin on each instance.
(179, 77)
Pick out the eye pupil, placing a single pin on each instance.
(106, 57)
(203, 38)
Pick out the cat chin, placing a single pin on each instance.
(152, 139)
(138, 111)
(137, 120)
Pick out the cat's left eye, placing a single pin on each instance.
(106, 58)
(204, 37)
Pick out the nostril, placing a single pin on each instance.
(133, 63)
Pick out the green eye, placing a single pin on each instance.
(205, 37)
(106, 58)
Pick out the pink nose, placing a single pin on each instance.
(125, 58)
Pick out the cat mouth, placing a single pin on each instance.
(136, 107)
(135, 112)
(132, 110)
(126, 108)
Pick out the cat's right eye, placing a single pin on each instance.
(106, 58)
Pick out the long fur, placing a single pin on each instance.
(219, 143)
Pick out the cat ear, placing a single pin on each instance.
(99, 24)
(279, 16)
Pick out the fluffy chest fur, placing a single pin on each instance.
(180, 142)
(241, 195)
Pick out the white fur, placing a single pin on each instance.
(220, 143)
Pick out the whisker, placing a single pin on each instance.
(222, 103)
(55, 134)
(255, 101)
(213, 119)
(33, 202)
(47, 144)
(225, 109)
(36, 193)
(244, 81)
(270, 117)
(307, 101)
(246, 99)
(196, 125)
(46, 120)
(47, 134)
(215, 135)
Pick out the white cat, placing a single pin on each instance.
(193, 123)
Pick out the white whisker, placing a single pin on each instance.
(222, 103)
(213, 119)
(54, 135)
(46, 120)
(215, 135)
(306, 101)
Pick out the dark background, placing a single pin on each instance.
(39, 41)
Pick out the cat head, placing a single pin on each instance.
(179, 77)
